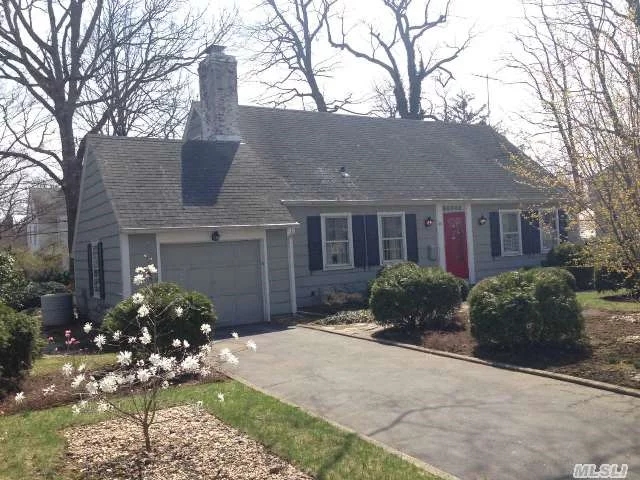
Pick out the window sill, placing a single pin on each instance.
(329, 268)
(392, 262)
(512, 254)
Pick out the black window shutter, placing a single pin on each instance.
(314, 242)
(371, 234)
(90, 268)
(494, 225)
(101, 270)
(530, 230)
(412, 237)
(563, 222)
(359, 241)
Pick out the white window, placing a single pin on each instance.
(337, 241)
(95, 269)
(549, 230)
(511, 236)
(393, 238)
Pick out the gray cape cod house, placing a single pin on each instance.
(267, 210)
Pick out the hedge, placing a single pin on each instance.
(414, 297)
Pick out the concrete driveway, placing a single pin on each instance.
(470, 420)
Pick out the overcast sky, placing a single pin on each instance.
(492, 21)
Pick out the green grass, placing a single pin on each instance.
(31, 446)
(595, 300)
(53, 363)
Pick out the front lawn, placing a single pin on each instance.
(607, 301)
(32, 447)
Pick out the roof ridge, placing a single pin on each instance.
(140, 139)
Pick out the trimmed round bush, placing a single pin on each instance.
(555, 272)
(523, 309)
(19, 345)
(413, 297)
(163, 298)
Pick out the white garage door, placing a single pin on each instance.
(229, 273)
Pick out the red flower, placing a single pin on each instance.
(50, 339)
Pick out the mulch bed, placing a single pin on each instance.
(187, 442)
(32, 387)
(612, 354)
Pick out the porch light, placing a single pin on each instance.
(482, 220)
(215, 236)
(428, 222)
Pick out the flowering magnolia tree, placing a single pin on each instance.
(146, 362)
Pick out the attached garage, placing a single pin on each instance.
(229, 273)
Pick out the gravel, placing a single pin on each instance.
(188, 443)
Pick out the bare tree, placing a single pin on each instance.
(69, 57)
(404, 46)
(460, 109)
(581, 59)
(287, 38)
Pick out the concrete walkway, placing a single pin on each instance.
(471, 420)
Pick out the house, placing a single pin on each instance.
(266, 210)
(46, 222)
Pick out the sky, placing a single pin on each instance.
(493, 23)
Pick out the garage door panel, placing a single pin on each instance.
(229, 273)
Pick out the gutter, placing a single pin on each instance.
(206, 227)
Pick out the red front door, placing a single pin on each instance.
(455, 241)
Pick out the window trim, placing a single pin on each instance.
(502, 252)
(323, 217)
(95, 264)
(556, 216)
(381, 238)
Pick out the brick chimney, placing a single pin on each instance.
(219, 96)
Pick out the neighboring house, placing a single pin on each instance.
(267, 210)
(46, 222)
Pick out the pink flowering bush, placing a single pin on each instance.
(150, 356)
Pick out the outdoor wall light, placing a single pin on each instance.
(482, 220)
(215, 236)
(428, 222)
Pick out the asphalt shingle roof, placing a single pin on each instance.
(297, 156)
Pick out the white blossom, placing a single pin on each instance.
(19, 398)
(205, 349)
(137, 298)
(140, 270)
(205, 328)
(221, 397)
(155, 359)
(109, 383)
(133, 339)
(124, 358)
(176, 343)
(235, 335)
(75, 409)
(229, 357)
(145, 339)
(92, 387)
(103, 406)
(151, 268)
(251, 345)
(143, 375)
(67, 369)
(185, 344)
(190, 364)
(48, 390)
(81, 367)
(179, 311)
(138, 279)
(143, 311)
(77, 381)
(140, 363)
(116, 335)
(165, 385)
(87, 327)
(100, 340)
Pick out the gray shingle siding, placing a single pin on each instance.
(486, 265)
(96, 222)
(311, 286)
(278, 259)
